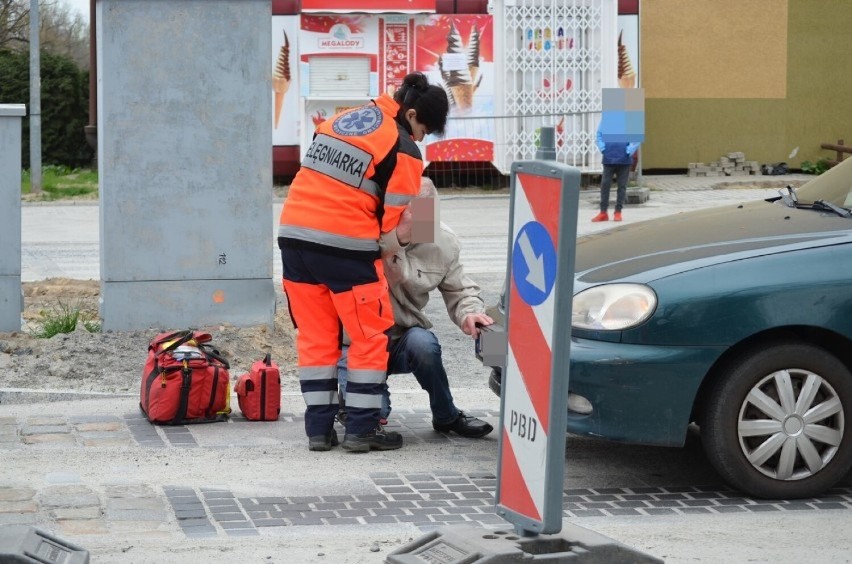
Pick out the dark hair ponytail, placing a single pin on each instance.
(428, 100)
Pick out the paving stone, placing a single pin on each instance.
(344, 521)
(307, 522)
(16, 494)
(84, 419)
(589, 513)
(69, 500)
(107, 426)
(229, 516)
(729, 509)
(130, 490)
(463, 488)
(191, 514)
(44, 421)
(397, 489)
(201, 533)
(617, 511)
(335, 498)
(188, 506)
(77, 513)
(135, 515)
(83, 527)
(659, 511)
(27, 506)
(388, 511)
(443, 496)
(459, 510)
(352, 512)
(695, 510)
(399, 504)
(29, 518)
(237, 525)
(490, 519)
(448, 518)
(28, 430)
(270, 523)
(759, 508)
(134, 503)
(364, 504)
(242, 532)
(380, 519)
(468, 502)
(51, 439)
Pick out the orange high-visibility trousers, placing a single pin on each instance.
(324, 292)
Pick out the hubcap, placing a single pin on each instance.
(791, 424)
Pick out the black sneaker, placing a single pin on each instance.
(323, 442)
(377, 439)
(465, 425)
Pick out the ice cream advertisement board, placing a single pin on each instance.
(454, 51)
(457, 52)
(285, 98)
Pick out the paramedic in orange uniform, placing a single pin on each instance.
(357, 177)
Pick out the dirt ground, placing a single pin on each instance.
(112, 361)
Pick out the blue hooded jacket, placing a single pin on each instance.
(615, 153)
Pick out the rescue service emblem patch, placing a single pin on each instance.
(360, 121)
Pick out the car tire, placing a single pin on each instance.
(778, 424)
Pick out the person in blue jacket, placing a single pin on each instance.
(617, 158)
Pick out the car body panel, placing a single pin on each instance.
(656, 248)
(640, 393)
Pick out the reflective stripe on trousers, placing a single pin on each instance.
(320, 301)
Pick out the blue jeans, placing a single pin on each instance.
(416, 351)
(621, 173)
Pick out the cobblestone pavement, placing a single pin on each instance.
(75, 503)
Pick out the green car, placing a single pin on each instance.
(737, 318)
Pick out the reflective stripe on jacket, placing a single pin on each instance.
(358, 160)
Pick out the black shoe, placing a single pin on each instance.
(377, 439)
(465, 425)
(323, 442)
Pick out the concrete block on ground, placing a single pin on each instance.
(638, 195)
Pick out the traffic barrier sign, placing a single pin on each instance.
(531, 458)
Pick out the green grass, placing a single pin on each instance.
(63, 318)
(60, 182)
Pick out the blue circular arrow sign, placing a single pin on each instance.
(534, 263)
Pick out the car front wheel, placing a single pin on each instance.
(778, 424)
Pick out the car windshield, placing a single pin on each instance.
(834, 186)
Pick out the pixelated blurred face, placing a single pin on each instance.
(623, 118)
(425, 219)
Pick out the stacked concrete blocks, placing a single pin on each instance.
(732, 164)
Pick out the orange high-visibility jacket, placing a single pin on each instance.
(358, 175)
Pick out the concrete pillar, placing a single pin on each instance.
(185, 164)
(11, 298)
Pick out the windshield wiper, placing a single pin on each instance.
(828, 206)
(790, 199)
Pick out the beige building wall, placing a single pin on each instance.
(761, 77)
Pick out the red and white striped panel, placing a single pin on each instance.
(526, 383)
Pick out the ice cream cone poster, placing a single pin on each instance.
(285, 101)
(628, 51)
(456, 51)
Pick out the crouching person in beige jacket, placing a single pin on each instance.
(420, 256)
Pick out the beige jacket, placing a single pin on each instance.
(416, 269)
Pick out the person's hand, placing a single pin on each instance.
(403, 228)
(471, 319)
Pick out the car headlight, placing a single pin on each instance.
(613, 306)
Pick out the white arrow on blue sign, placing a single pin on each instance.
(534, 263)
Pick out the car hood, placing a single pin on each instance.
(648, 250)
